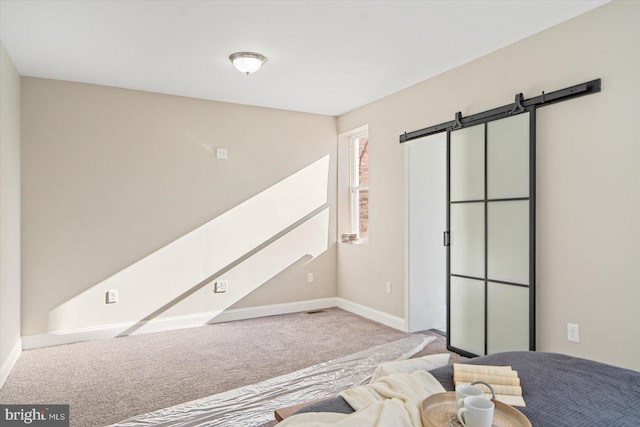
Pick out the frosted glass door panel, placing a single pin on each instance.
(467, 315)
(490, 248)
(467, 163)
(467, 239)
(508, 157)
(508, 241)
(507, 318)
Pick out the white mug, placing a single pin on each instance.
(477, 412)
(466, 390)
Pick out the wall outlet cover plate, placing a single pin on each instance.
(112, 297)
(220, 286)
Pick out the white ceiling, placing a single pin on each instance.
(325, 57)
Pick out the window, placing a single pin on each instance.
(359, 188)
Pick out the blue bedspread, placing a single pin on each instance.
(559, 390)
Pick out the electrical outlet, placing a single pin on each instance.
(220, 286)
(388, 287)
(221, 153)
(309, 277)
(573, 332)
(112, 297)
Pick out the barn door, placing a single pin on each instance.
(491, 236)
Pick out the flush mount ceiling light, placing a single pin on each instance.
(247, 62)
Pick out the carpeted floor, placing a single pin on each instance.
(109, 380)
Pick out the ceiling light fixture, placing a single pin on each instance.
(247, 62)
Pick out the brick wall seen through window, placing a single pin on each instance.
(363, 193)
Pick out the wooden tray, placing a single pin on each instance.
(439, 410)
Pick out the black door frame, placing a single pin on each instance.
(485, 201)
(518, 106)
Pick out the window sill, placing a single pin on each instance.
(359, 242)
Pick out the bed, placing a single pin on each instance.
(559, 390)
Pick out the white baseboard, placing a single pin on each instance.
(8, 365)
(170, 323)
(372, 314)
(274, 310)
(200, 319)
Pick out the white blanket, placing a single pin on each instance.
(391, 400)
(425, 363)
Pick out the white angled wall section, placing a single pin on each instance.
(427, 256)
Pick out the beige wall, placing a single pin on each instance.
(122, 190)
(117, 183)
(9, 214)
(588, 176)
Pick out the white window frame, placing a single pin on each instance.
(354, 184)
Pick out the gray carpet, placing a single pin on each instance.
(109, 380)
